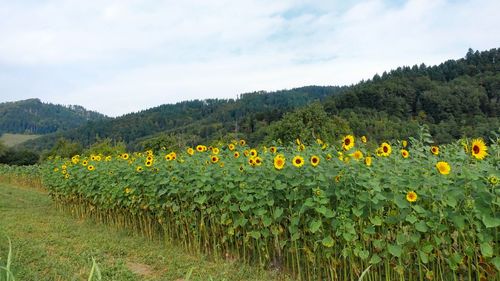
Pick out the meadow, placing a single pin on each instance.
(406, 210)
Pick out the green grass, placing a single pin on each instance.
(14, 139)
(51, 245)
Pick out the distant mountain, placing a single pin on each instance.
(32, 116)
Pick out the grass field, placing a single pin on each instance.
(14, 139)
(50, 245)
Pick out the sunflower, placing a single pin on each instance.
(246, 152)
(243, 142)
(241, 169)
(199, 148)
(411, 196)
(93, 157)
(108, 158)
(149, 152)
(348, 142)
(64, 172)
(56, 169)
(405, 153)
(404, 143)
(368, 161)
(90, 167)
(253, 152)
(231, 146)
(66, 176)
(443, 167)
(273, 149)
(434, 150)
(190, 151)
(75, 160)
(314, 160)
(215, 150)
(139, 169)
(251, 161)
(168, 157)
(214, 159)
(328, 156)
(301, 147)
(128, 190)
(258, 161)
(236, 154)
(149, 158)
(125, 156)
(221, 164)
(357, 155)
(149, 163)
(478, 149)
(385, 149)
(85, 162)
(363, 139)
(173, 155)
(98, 158)
(319, 141)
(298, 161)
(64, 167)
(493, 180)
(279, 162)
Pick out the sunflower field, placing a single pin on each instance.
(405, 210)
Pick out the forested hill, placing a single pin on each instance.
(195, 121)
(456, 98)
(32, 116)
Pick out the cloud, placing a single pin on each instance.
(122, 56)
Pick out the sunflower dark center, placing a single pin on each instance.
(385, 149)
(315, 160)
(347, 141)
(476, 149)
(298, 161)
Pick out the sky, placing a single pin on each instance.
(123, 56)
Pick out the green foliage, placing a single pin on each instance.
(307, 124)
(104, 147)
(12, 156)
(64, 148)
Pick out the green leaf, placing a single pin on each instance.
(200, 199)
(328, 242)
(375, 259)
(401, 202)
(486, 249)
(314, 225)
(376, 221)
(364, 254)
(490, 222)
(277, 213)
(459, 221)
(411, 219)
(395, 250)
(421, 226)
(496, 263)
(423, 257)
(427, 248)
(254, 234)
(267, 221)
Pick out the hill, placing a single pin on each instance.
(197, 120)
(32, 116)
(453, 99)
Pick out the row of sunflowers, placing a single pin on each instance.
(406, 210)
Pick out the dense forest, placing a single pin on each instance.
(453, 99)
(32, 116)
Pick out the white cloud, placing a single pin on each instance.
(128, 55)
